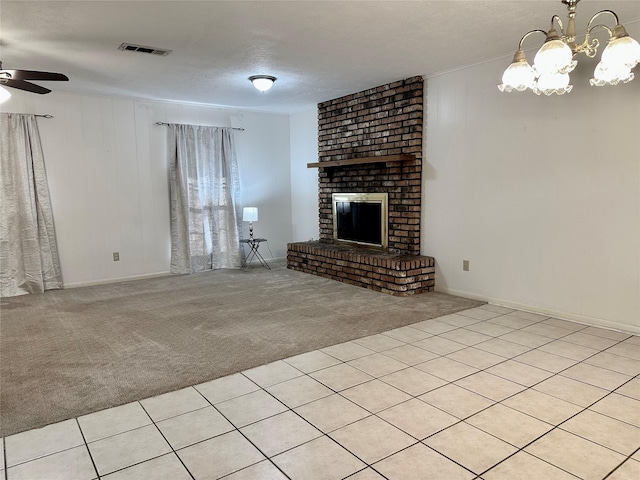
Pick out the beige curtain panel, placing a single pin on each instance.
(29, 260)
(205, 190)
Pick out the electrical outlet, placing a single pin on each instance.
(465, 265)
(116, 256)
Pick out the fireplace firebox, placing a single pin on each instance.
(360, 218)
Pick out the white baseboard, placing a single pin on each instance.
(572, 317)
(278, 260)
(281, 260)
(115, 280)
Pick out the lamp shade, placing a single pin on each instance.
(250, 214)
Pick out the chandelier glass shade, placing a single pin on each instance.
(554, 56)
(555, 59)
(550, 83)
(518, 76)
(614, 75)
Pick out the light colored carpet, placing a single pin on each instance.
(71, 352)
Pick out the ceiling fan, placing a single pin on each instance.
(18, 79)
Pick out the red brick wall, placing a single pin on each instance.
(385, 120)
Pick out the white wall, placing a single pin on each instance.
(540, 194)
(264, 163)
(107, 171)
(304, 181)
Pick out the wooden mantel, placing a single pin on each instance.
(357, 161)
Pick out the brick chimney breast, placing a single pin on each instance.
(385, 121)
(380, 121)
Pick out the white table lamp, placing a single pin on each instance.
(250, 214)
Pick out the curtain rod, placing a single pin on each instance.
(232, 128)
(43, 115)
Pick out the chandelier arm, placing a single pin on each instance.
(600, 25)
(590, 47)
(526, 35)
(611, 12)
(559, 20)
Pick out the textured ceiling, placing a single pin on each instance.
(318, 49)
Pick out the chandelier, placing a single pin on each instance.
(554, 61)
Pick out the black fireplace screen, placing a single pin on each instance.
(359, 222)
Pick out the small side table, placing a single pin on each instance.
(254, 244)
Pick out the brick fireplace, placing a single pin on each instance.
(371, 142)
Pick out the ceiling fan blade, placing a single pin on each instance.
(22, 85)
(35, 75)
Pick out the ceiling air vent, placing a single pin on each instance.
(130, 47)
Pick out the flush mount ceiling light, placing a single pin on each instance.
(554, 61)
(262, 82)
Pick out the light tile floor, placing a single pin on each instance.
(488, 393)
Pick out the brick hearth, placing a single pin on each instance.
(382, 122)
(392, 273)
